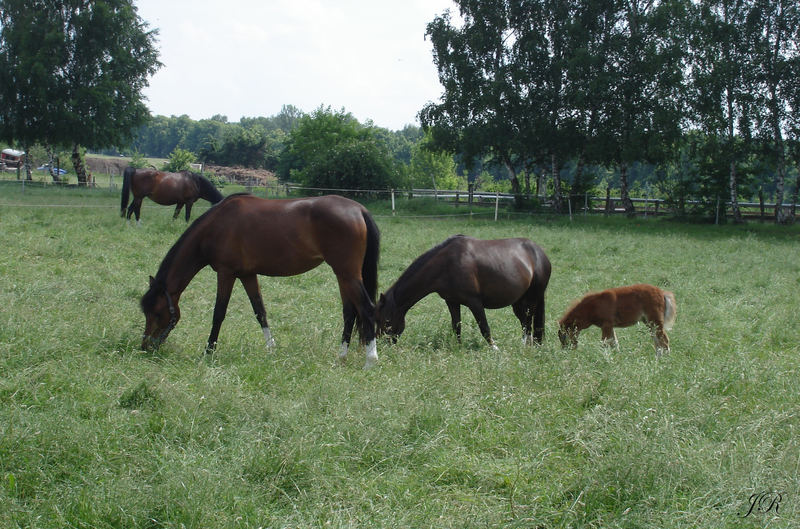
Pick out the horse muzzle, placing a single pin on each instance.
(151, 344)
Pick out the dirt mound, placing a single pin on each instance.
(105, 165)
(239, 175)
(242, 175)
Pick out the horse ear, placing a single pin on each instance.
(152, 280)
(382, 298)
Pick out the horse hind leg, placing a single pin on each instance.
(660, 339)
(250, 284)
(355, 294)
(349, 314)
(136, 209)
(523, 312)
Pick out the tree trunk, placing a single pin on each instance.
(795, 197)
(512, 174)
(734, 188)
(541, 185)
(557, 202)
(623, 190)
(781, 216)
(77, 163)
(27, 163)
(53, 169)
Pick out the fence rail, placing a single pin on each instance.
(574, 204)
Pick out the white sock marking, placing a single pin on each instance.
(268, 337)
(372, 354)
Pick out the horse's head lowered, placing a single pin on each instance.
(161, 314)
(568, 334)
(391, 321)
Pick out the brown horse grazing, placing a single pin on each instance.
(183, 188)
(621, 307)
(244, 236)
(478, 274)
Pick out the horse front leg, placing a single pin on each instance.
(480, 316)
(609, 337)
(177, 210)
(189, 210)
(353, 292)
(250, 284)
(224, 288)
(455, 317)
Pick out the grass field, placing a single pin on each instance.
(95, 433)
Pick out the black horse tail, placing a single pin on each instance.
(369, 270)
(126, 188)
(208, 191)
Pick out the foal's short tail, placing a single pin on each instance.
(670, 309)
(126, 188)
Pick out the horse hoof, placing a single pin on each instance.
(370, 363)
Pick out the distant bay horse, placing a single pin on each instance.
(244, 236)
(183, 188)
(480, 274)
(621, 307)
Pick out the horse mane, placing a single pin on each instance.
(420, 262)
(159, 281)
(208, 190)
(576, 302)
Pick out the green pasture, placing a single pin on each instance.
(95, 433)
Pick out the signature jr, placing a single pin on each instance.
(764, 503)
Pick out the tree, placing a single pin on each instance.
(722, 80)
(479, 112)
(642, 111)
(431, 167)
(179, 160)
(776, 48)
(332, 150)
(73, 73)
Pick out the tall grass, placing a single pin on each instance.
(96, 433)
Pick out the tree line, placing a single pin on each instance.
(706, 93)
(686, 98)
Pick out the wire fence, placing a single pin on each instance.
(471, 202)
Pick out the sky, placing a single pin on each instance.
(248, 58)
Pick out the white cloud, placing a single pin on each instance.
(248, 57)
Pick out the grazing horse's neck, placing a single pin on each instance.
(410, 288)
(182, 264)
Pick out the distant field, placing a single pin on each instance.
(96, 433)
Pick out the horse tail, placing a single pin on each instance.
(670, 309)
(369, 269)
(208, 191)
(126, 188)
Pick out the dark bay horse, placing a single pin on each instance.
(183, 188)
(621, 307)
(244, 236)
(475, 273)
